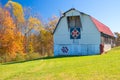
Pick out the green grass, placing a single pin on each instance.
(97, 67)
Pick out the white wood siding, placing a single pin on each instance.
(90, 37)
(83, 49)
(89, 33)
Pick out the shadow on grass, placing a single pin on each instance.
(43, 58)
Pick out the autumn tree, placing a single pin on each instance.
(34, 25)
(16, 11)
(10, 37)
(21, 32)
(52, 22)
(45, 37)
(26, 23)
(17, 14)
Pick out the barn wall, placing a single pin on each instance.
(83, 49)
(90, 37)
(62, 34)
(88, 31)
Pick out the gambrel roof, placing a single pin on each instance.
(100, 26)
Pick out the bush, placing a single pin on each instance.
(5, 58)
(22, 57)
(30, 56)
(19, 57)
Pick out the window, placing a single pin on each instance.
(74, 21)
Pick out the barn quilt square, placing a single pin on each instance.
(75, 33)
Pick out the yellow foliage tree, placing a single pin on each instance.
(34, 25)
(17, 10)
(52, 23)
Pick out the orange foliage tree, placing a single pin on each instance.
(10, 38)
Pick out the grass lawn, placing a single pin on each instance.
(97, 67)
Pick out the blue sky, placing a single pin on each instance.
(106, 11)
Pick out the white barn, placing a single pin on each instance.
(78, 33)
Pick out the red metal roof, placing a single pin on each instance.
(101, 27)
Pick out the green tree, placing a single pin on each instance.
(117, 38)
